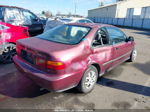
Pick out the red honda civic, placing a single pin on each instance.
(9, 34)
(73, 55)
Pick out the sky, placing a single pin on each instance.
(62, 6)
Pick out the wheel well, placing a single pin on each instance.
(97, 66)
(12, 43)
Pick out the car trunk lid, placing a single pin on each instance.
(34, 49)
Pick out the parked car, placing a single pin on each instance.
(9, 34)
(51, 23)
(59, 21)
(22, 17)
(73, 55)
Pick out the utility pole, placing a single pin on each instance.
(75, 4)
(101, 3)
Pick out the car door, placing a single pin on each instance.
(33, 23)
(121, 48)
(102, 49)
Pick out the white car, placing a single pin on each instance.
(76, 20)
(53, 23)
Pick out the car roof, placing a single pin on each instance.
(91, 25)
(78, 18)
(12, 7)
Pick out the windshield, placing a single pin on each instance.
(66, 34)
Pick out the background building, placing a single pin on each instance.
(123, 9)
(129, 13)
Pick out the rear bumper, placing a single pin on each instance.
(49, 81)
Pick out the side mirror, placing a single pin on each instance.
(130, 39)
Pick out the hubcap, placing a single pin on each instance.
(134, 55)
(90, 80)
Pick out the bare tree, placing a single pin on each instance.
(58, 13)
(69, 14)
(47, 13)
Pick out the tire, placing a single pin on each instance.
(8, 52)
(88, 80)
(133, 56)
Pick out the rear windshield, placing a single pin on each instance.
(66, 34)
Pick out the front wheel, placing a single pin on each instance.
(88, 80)
(133, 56)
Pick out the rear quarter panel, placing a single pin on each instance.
(13, 33)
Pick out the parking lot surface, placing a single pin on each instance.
(125, 87)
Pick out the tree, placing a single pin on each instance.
(47, 13)
(119, 0)
(43, 12)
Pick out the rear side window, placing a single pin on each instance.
(13, 16)
(101, 38)
(116, 35)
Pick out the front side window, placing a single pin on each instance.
(66, 34)
(1, 13)
(116, 35)
(28, 17)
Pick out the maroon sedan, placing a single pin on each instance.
(73, 55)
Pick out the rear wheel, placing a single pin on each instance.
(88, 80)
(8, 52)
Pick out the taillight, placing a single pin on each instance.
(25, 31)
(55, 65)
(49, 64)
(18, 48)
